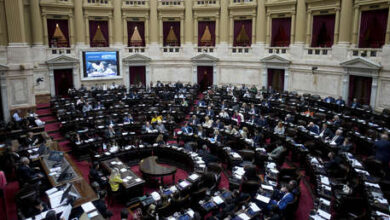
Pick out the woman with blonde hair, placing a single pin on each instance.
(115, 179)
(279, 129)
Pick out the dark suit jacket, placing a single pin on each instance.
(382, 151)
(340, 102)
(327, 133)
(26, 173)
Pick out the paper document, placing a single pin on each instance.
(87, 207)
(263, 198)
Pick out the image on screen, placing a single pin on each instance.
(101, 64)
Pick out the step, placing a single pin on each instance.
(43, 106)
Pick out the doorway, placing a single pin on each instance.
(276, 79)
(205, 77)
(360, 88)
(138, 75)
(63, 80)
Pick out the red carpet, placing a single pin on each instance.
(305, 202)
(43, 105)
(52, 127)
(9, 196)
(44, 111)
(48, 118)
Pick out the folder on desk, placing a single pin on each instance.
(66, 212)
(262, 198)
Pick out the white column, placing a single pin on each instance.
(52, 83)
(126, 74)
(374, 89)
(215, 79)
(147, 74)
(76, 79)
(265, 76)
(194, 74)
(345, 86)
(4, 97)
(286, 73)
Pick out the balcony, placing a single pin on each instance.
(365, 52)
(56, 2)
(54, 52)
(242, 3)
(171, 50)
(204, 49)
(206, 4)
(240, 50)
(318, 51)
(97, 3)
(170, 3)
(134, 50)
(277, 50)
(135, 3)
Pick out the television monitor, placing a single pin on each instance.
(101, 64)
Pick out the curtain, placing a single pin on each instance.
(360, 88)
(373, 28)
(202, 27)
(276, 79)
(138, 74)
(176, 29)
(238, 24)
(130, 30)
(281, 28)
(63, 80)
(51, 27)
(93, 27)
(205, 77)
(323, 31)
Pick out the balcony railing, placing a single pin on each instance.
(100, 2)
(240, 50)
(141, 3)
(171, 50)
(62, 2)
(53, 52)
(365, 52)
(277, 50)
(242, 2)
(136, 49)
(318, 51)
(206, 2)
(171, 2)
(204, 49)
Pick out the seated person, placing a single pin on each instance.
(346, 146)
(96, 175)
(223, 114)
(218, 124)
(115, 179)
(259, 95)
(236, 117)
(279, 128)
(156, 118)
(253, 89)
(277, 152)
(186, 129)
(288, 196)
(99, 106)
(257, 138)
(207, 122)
(36, 208)
(313, 128)
(202, 103)
(207, 157)
(253, 120)
(147, 127)
(198, 111)
(340, 101)
(87, 107)
(161, 127)
(338, 139)
(160, 139)
(110, 121)
(325, 132)
(31, 140)
(382, 149)
(336, 121)
(110, 132)
(26, 173)
(355, 103)
(263, 121)
(184, 102)
(209, 112)
(247, 94)
(329, 99)
(216, 137)
(128, 119)
(308, 113)
(289, 118)
(333, 165)
(16, 116)
(194, 121)
(244, 132)
(223, 105)
(101, 206)
(199, 132)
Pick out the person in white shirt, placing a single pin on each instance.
(224, 114)
(16, 116)
(208, 122)
(279, 128)
(38, 122)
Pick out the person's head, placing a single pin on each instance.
(346, 140)
(114, 172)
(324, 125)
(193, 116)
(339, 132)
(354, 99)
(288, 116)
(51, 215)
(331, 155)
(280, 124)
(291, 185)
(95, 165)
(25, 160)
(102, 194)
(124, 213)
(147, 123)
(30, 134)
(206, 118)
(245, 129)
(216, 132)
(311, 124)
(160, 138)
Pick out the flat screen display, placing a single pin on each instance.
(101, 64)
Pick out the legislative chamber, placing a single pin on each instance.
(194, 109)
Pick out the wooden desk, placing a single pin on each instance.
(133, 186)
(84, 190)
(150, 168)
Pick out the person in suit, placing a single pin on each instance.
(382, 149)
(31, 140)
(340, 101)
(110, 132)
(186, 129)
(101, 206)
(26, 173)
(128, 119)
(194, 121)
(257, 138)
(346, 146)
(254, 120)
(329, 99)
(147, 127)
(223, 105)
(355, 103)
(253, 110)
(110, 121)
(275, 154)
(289, 118)
(217, 136)
(338, 139)
(210, 112)
(263, 121)
(336, 121)
(218, 124)
(325, 132)
(333, 165)
(313, 128)
(288, 196)
(201, 103)
(161, 127)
